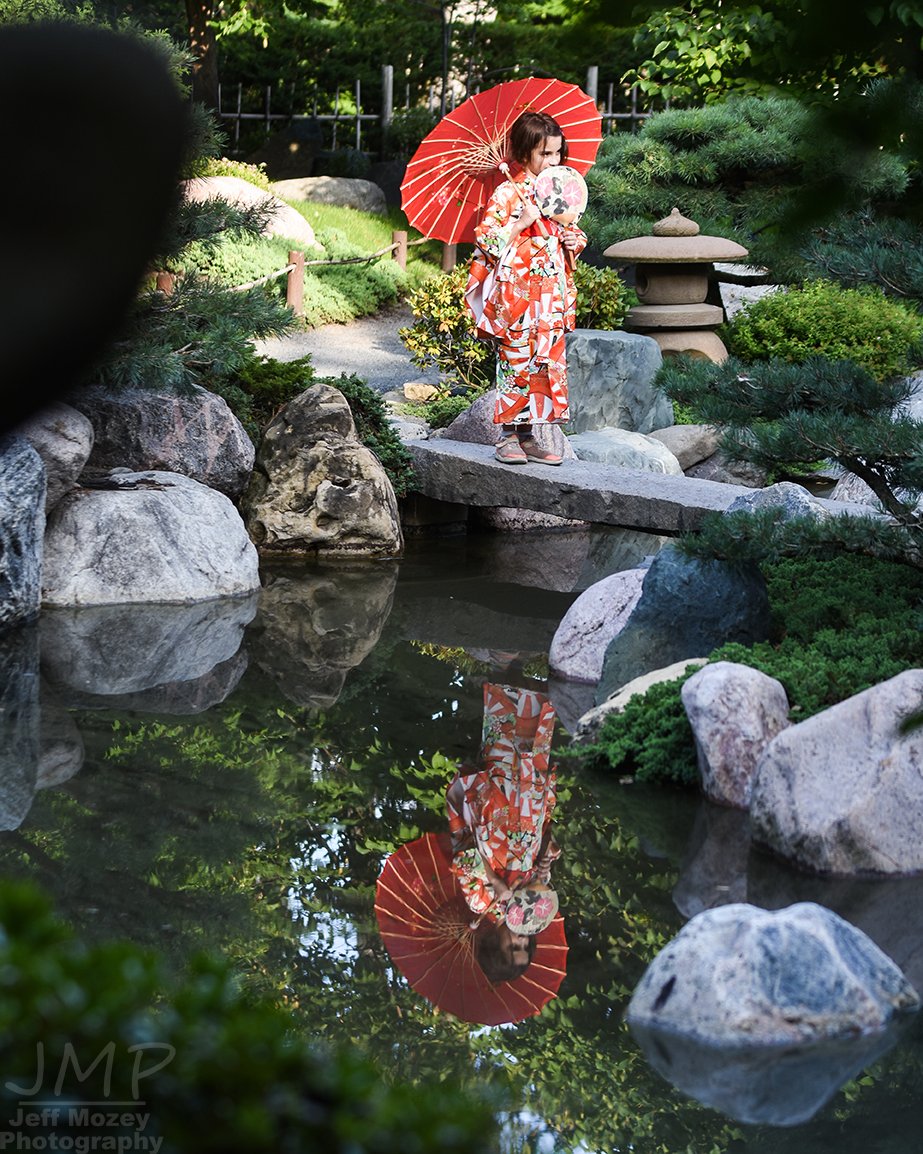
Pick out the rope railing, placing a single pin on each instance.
(294, 270)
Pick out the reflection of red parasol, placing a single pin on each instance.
(424, 923)
(452, 174)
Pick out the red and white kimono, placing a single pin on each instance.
(501, 813)
(523, 299)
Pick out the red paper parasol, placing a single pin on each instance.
(425, 925)
(452, 174)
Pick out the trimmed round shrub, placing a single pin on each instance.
(821, 319)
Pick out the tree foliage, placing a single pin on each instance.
(780, 414)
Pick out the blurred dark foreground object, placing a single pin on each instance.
(94, 148)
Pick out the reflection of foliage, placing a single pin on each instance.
(259, 829)
(454, 655)
(232, 1077)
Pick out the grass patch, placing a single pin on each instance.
(335, 293)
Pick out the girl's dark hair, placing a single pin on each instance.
(531, 130)
(488, 950)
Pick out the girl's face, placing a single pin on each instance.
(547, 154)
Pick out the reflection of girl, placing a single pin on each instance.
(500, 814)
(502, 954)
(521, 293)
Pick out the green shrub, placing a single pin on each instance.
(408, 128)
(443, 334)
(442, 409)
(212, 1068)
(267, 385)
(840, 626)
(823, 319)
(603, 298)
(223, 166)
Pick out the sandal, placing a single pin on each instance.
(534, 452)
(509, 451)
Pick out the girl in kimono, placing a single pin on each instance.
(521, 292)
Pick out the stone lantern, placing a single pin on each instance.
(672, 270)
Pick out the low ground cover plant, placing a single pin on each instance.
(333, 294)
(841, 625)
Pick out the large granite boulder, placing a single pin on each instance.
(609, 377)
(22, 528)
(580, 642)
(739, 975)
(625, 449)
(734, 711)
(787, 498)
(687, 608)
(146, 537)
(347, 191)
(853, 489)
(192, 432)
(63, 437)
(316, 489)
(689, 444)
(839, 793)
(61, 749)
(724, 469)
(283, 220)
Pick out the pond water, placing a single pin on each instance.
(233, 778)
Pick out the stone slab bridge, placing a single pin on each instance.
(463, 473)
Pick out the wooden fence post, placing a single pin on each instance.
(449, 257)
(399, 238)
(294, 283)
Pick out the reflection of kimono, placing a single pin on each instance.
(522, 296)
(508, 803)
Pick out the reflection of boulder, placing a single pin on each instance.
(125, 649)
(315, 625)
(776, 1087)
(19, 723)
(178, 698)
(61, 749)
(714, 869)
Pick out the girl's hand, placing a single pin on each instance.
(529, 215)
(569, 239)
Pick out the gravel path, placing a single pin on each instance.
(368, 347)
